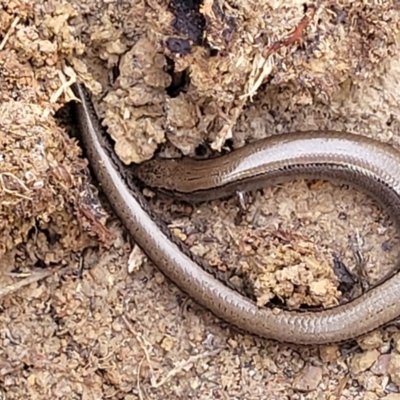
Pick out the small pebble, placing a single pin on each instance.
(309, 379)
(329, 353)
(394, 368)
(391, 396)
(381, 365)
(396, 341)
(372, 341)
(370, 396)
(136, 259)
(179, 234)
(363, 361)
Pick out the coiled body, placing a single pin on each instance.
(361, 162)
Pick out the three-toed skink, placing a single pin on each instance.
(364, 163)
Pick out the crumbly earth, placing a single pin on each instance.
(94, 318)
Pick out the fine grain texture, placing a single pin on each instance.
(364, 163)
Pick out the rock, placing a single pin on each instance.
(309, 379)
(329, 353)
(396, 341)
(391, 396)
(381, 365)
(394, 369)
(361, 362)
(371, 341)
(370, 396)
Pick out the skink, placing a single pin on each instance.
(364, 163)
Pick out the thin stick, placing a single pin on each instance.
(8, 34)
(35, 277)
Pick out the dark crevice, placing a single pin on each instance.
(179, 82)
(201, 150)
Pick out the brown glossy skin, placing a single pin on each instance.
(367, 164)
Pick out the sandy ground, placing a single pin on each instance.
(101, 322)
